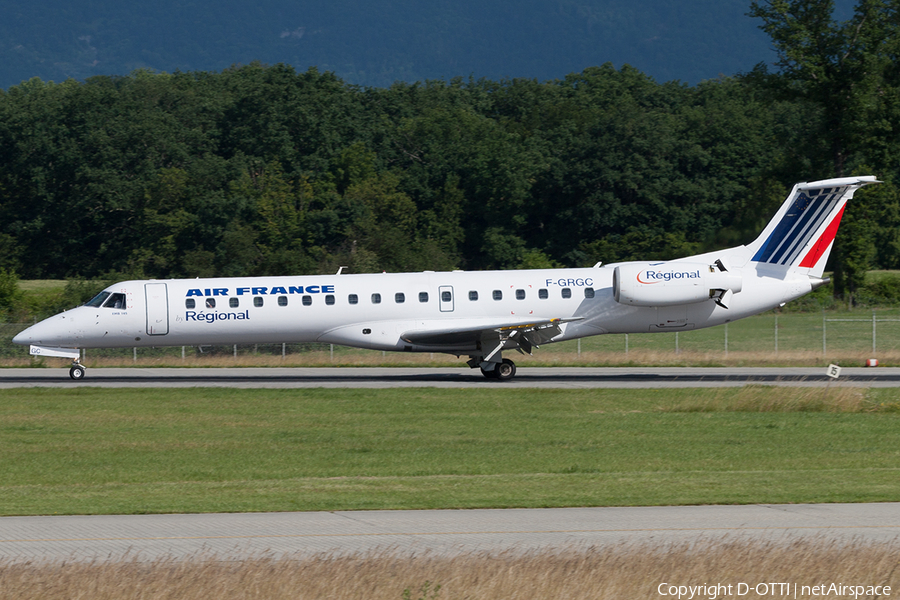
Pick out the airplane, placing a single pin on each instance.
(479, 314)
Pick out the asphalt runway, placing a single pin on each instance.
(453, 377)
(443, 532)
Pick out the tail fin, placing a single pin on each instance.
(801, 233)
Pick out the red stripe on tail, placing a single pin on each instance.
(823, 242)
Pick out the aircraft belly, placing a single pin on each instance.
(608, 316)
(672, 318)
(380, 335)
(232, 333)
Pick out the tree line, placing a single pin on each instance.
(263, 170)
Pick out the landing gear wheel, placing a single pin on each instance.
(76, 372)
(506, 370)
(492, 374)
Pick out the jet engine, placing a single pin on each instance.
(668, 284)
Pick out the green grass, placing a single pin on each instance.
(878, 275)
(796, 332)
(90, 451)
(41, 286)
(847, 331)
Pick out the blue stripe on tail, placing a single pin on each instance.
(799, 224)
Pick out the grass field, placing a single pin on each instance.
(39, 287)
(90, 451)
(607, 573)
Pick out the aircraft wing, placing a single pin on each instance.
(510, 334)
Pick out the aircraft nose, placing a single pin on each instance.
(52, 331)
(24, 337)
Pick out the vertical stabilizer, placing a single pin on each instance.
(801, 234)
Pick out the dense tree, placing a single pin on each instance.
(845, 73)
(10, 296)
(838, 67)
(264, 170)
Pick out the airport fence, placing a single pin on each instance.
(767, 338)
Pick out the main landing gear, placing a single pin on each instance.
(76, 371)
(504, 370)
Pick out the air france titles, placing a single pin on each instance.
(213, 316)
(262, 291)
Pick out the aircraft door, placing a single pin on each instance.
(445, 297)
(157, 302)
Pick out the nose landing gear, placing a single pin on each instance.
(76, 371)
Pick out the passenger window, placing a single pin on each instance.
(329, 299)
(282, 300)
(473, 295)
(258, 301)
(497, 295)
(190, 303)
(588, 292)
(423, 296)
(115, 301)
(353, 299)
(567, 292)
(376, 298)
(210, 303)
(543, 294)
(307, 300)
(399, 298)
(520, 294)
(446, 297)
(234, 302)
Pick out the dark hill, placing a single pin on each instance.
(377, 42)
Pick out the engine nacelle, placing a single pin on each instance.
(667, 284)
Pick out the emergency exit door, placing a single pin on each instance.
(445, 296)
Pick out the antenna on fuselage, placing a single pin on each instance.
(340, 269)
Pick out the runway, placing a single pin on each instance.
(235, 536)
(459, 377)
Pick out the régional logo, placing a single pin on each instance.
(652, 276)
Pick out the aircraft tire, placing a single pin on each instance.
(506, 370)
(492, 374)
(76, 372)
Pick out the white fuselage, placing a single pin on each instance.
(374, 310)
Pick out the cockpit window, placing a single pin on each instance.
(97, 300)
(107, 300)
(115, 301)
